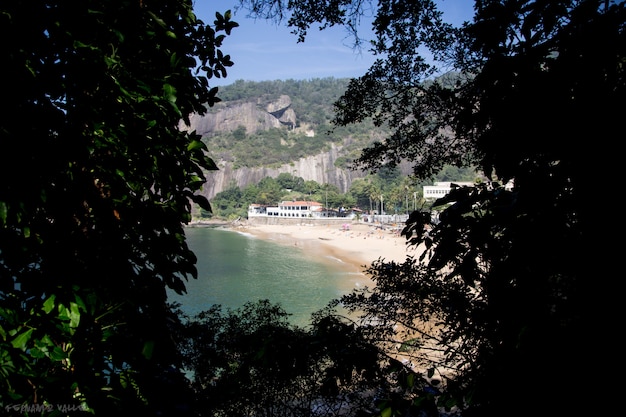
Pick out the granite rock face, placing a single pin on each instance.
(248, 115)
(255, 117)
(320, 168)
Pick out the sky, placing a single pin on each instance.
(263, 51)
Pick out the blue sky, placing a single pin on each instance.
(263, 51)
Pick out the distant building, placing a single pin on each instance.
(442, 188)
(310, 209)
(257, 210)
(288, 209)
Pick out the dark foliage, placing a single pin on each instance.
(96, 183)
(251, 361)
(512, 279)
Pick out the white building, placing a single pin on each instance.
(288, 209)
(442, 188)
(255, 210)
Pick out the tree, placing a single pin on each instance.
(250, 193)
(251, 361)
(97, 182)
(229, 203)
(311, 186)
(269, 191)
(358, 191)
(290, 182)
(509, 275)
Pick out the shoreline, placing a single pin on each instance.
(352, 249)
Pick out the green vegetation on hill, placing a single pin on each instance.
(401, 194)
(312, 101)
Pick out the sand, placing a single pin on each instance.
(353, 249)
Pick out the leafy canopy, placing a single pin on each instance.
(97, 182)
(509, 281)
(251, 361)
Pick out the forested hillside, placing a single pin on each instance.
(267, 129)
(244, 144)
(274, 140)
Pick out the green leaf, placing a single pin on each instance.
(196, 179)
(196, 144)
(169, 92)
(74, 315)
(38, 353)
(159, 21)
(22, 339)
(3, 213)
(210, 164)
(46, 341)
(386, 412)
(202, 202)
(58, 354)
(410, 380)
(80, 302)
(48, 305)
(148, 348)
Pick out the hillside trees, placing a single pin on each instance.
(513, 279)
(364, 193)
(312, 100)
(288, 181)
(252, 361)
(95, 185)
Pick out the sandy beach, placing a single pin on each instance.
(355, 247)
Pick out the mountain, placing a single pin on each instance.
(320, 168)
(246, 114)
(262, 129)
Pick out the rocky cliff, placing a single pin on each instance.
(256, 116)
(253, 116)
(320, 168)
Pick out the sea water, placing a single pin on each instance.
(234, 268)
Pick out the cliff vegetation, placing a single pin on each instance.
(263, 129)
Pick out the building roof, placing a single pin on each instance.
(300, 203)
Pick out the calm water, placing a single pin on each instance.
(234, 268)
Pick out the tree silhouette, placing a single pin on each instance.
(510, 279)
(97, 182)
